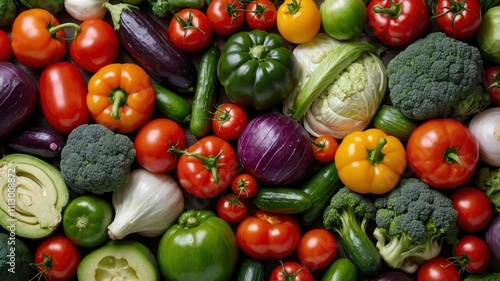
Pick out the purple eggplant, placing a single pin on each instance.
(392, 276)
(18, 97)
(42, 142)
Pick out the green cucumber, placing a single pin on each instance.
(251, 270)
(205, 93)
(320, 187)
(390, 120)
(342, 269)
(180, 4)
(171, 105)
(282, 200)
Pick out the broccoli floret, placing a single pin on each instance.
(96, 160)
(406, 237)
(437, 76)
(348, 214)
(488, 180)
(160, 8)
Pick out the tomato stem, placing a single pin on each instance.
(293, 7)
(393, 11)
(117, 98)
(211, 162)
(44, 267)
(288, 276)
(496, 81)
(451, 156)
(375, 156)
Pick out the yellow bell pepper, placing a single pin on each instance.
(370, 161)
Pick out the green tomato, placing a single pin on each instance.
(488, 35)
(257, 69)
(343, 19)
(202, 246)
(86, 219)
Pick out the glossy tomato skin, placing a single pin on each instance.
(65, 257)
(95, 46)
(229, 120)
(317, 249)
(473, 207)
(153, 142)
(430, 147)
(397, 23)
(261, 14)
(491, 82)
(63, 97)
(298, 24)
(244, 185)
(472, 253)
(438, 269)
(190, 30)
(324, 148)
(5, 46)
(459, 19)
(231, 208)
(225, 16)
(291, 268)
(265, 235)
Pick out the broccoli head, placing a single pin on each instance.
(488, 180)
(437, 76)
(96, 160)
(160, 8)
(412, 220)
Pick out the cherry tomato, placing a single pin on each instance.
(190, 30)
(397, 22)
(5, 46)
(291, 271)
(261, 14)
(225, 16)
(229, 120)
(244, 185)
(95, 46)
(153, 142)
(324, 148)
(265, 235)
(472, 253)
(473, 207)
(63, 97)
(459, 19)
(231, 208)
(438, 269)
(491, 82)
(57, 259)
(298, 21)
(443, 153)
(317, 248)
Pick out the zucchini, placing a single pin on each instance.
(251, 270)
(282, 200)
(342, 269)
(392, 121)
(320, 187)
(205, 93)
(171, 105)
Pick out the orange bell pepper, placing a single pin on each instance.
(121, 97)
(370, 161)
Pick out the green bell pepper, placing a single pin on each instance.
(257, 69)
(86, 219)
(52, 6)
(202, 246)
(8, 12)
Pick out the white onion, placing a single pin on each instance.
(485, 126)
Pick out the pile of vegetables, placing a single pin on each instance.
(249, 140)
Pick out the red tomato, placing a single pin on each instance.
(324, 148)
(397, 22)
(57, 259)
(265, 235)
(207, 168)
(472, 253)
(5, 46)
(260, 14)
(438, 269)
(229, 120)
(190, 30)
(225, 16)
(291, 271)
(317, 248)
(244, 185)
(443, 153)
(63, 97)
(95, 46)
(231, 208)
(491, 82)
(153, 142)
(473, 207)
(459, 19)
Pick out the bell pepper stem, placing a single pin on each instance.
(54, 29)
(259, 52)
(375, 156)
(211, 162)
(118, 98)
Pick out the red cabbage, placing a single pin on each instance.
(275, 149)
(492, 237)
